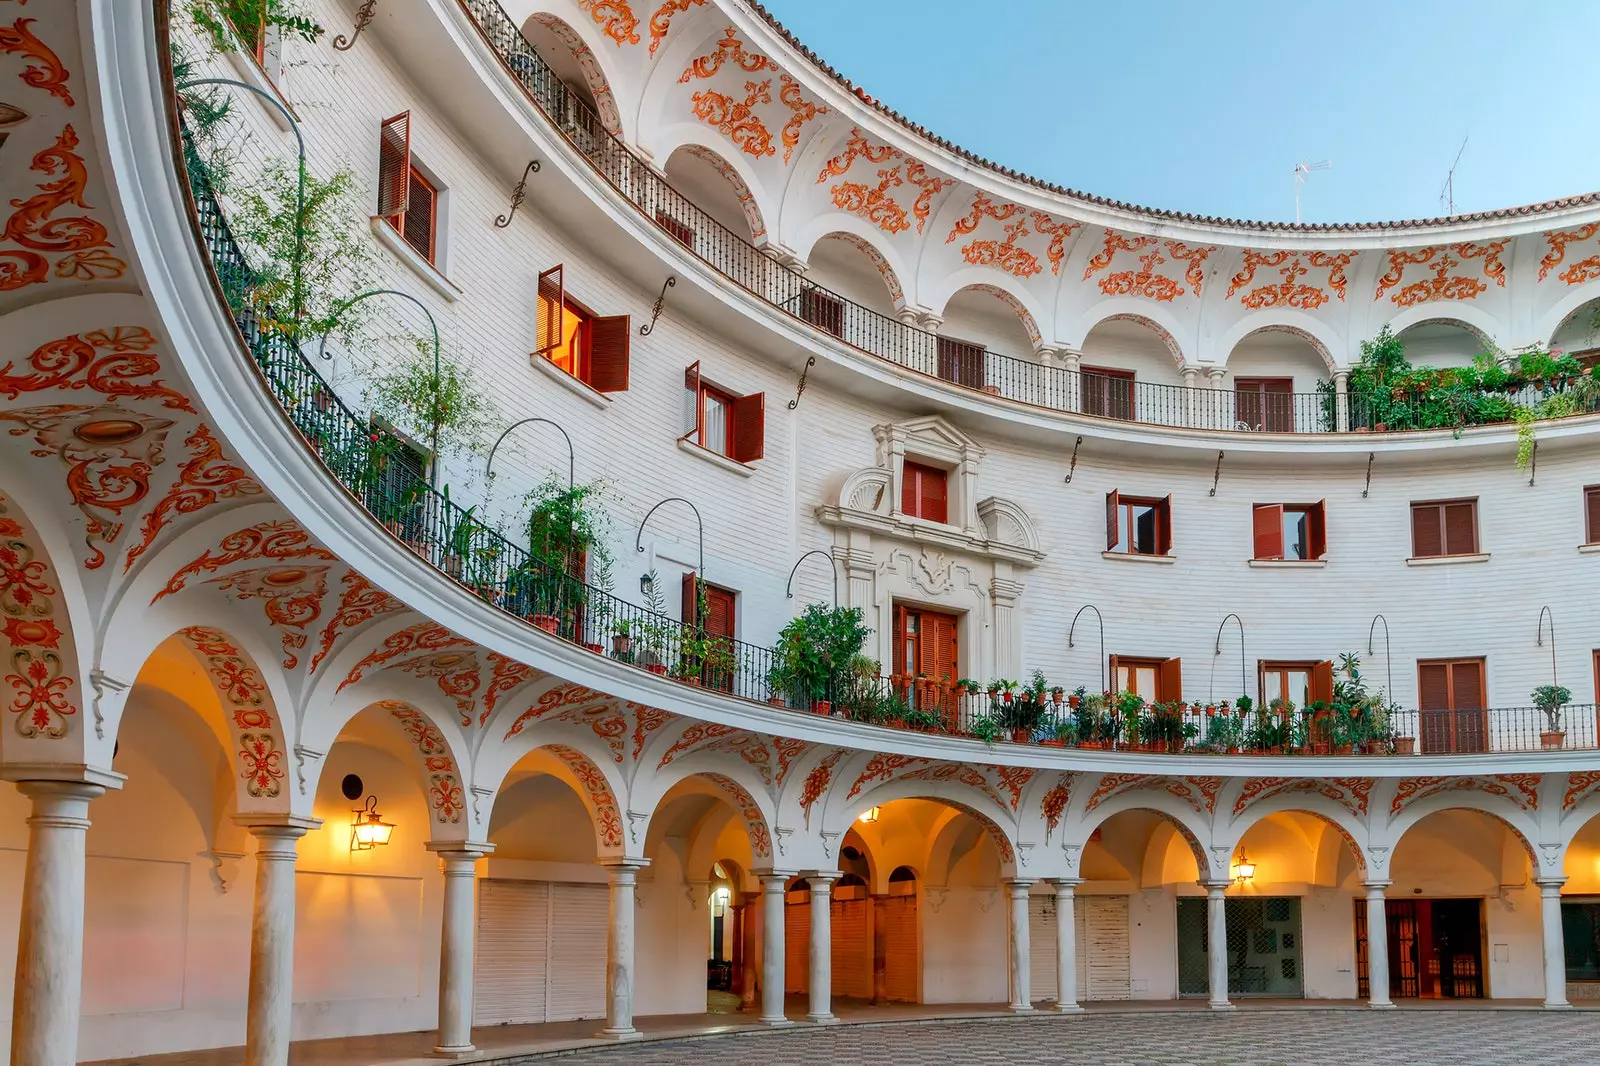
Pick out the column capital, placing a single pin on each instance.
(623, 862)
(1215, 886)
(1376, 885)
(1550, 883)
(822, 877)
(277, 826)
(465, 851)
(46, 774)
(783, 876)
(1066, 884)
(1216, 374)
(1022, 883)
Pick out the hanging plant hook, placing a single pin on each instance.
(1072, 629)
(638, 539)
(572, 465)
(788, 590)
(364, 14)
(1244, 683)
(1545, 612)
(1388, 663)
(518, 194)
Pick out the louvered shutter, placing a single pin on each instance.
(1466, 685)
(1113, 518)
(900, 971)
(1317, 518)
(579, 919)
(1042, 947)
(1427, 530)
(417, 225)
(1164, 527)
(962, 362)
(511, 964)
(935, 494)
(1277, 401)
(1247, 404)
(797, 946)
(1591, 513)
(1461, 528)
(1103, 964)
(697, 410)
(944, 659)
(1169, 681)
(1433, 686)
(927, 642)
(899, 658)
(552, 310)
(823, 311)
(1268, 524)
(394, 165)
(719, 612)
(1322, 682)
(749, 414)
(851, 948)
(680, 230)
(690, 604)
(609, 338)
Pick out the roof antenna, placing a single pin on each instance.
(1447, 195)
(1301, 169)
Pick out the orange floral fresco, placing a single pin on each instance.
(615, 19)
(1291, 267)
(359, 603)
(205, 478)
(1443, 285)
(41, 690)
(801, 111)
(736, 119)
(44, 70)
(281, 541)
(661, 20)
(1149, 281)
(35, 229)
(729, 49)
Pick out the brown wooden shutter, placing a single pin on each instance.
(1111, 676)
(1317, 518)
(1322, 682)
(1169, 681)
(417, 226)
(822, 311)
(394, 165)
(909, 489)
(1247, 403)
(927, 642)
(1591, 514)
(1433, 686)
(552, 310)
(680, 230)
(690, 585)
(1113, 517)
(1461, 528)
(935, 494)
(899, 657)
(943, 663)
(1427, 530)
(749, 414)
(962, 362)
(1268, 523)
(719, 612)
(1466, 685)
(608, 342)
(1164, 527)
(697, 404)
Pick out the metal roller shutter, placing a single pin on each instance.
(852, 950)
(797, 947)
(1042, 947)
(899, 917)
(1103, 969)
(511, 961)
(577, 968)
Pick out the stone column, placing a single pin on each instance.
(1021, 993)
(1066, 946)
(270, 1010)
(458, 860)
(1191, 398)
(619, 950)
(772, 948)
(1555, 955)
(1341, 393)
(880, 951)
(747, 952)
(49, 986)
(821, 960)
(1070, 362)
(1217, 942)
(1221, 414)
(1377, 948)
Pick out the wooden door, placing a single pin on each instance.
(1451, 705)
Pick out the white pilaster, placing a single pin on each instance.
(753, 914)
(458, 861)
(772, 884)
(1221, 415)
(1341, 392)
(1217, 942)
(821, 960)
(1021, 992)
(49, 986)
(1555, 955)
(1377, 948)
(619, 950)
(1066, 946)
(270, 1010)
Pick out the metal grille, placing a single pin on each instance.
(1263, 947)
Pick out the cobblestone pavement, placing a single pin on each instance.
(1188, 1038)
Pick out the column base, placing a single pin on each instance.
(1069, 1008)
(1222, 1006)
(1380, 1006)
(823, 1019)
(451, 1051)
(776, 1023)
(622, 1035)
(1016, 1008)
(1558, 1006)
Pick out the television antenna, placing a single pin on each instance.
(1447, 194)
(1301, 169)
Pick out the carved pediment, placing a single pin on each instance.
(866, 490)
(1007, 523)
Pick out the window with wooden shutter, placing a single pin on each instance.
(822, 310)
(748, 434)
(680, 230)
(1268, 525)
(1591, 514)
(722, 422)
(394, 165)
(1461, 527)
(1106, 392)
(1445, 527)
(1450, 705)
(418, 223)
(552, 310)
(1138, 525)
(1292, 532)
(925, 492)
(1143, 677)
(962, 362)
(1317, 517)
(1113, 520)
(1321, 683)
(925, 647)
(1169, 681)
(1265, 404)
(1163, 523)
(607, 351)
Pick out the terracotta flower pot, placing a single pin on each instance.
(657, 668)
(1405, 745)
(547, 622)
(598, 649)
(1552, 739)
(621, 646)
(1053, 743)
(823, 707)
(1074, 702)
(777, 701)
(1021, 736)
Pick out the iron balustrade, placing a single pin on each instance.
(364, 458)
(1026, 381)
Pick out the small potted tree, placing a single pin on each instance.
(1550, 699)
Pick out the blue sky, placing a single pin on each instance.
(1206, 107)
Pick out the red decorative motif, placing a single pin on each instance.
(816, 783)
(1005, 255)
(109, 453)
(45, 70)
(261, 764)
(1443, 285)
(240, 687)
(505, 675)
(1054, 805)
(1558, 241)
(445, 796)
(1351, 793)
(801, 112)
(881, 767)
(736, 119)
(358, 604)
(741, 191)
(204, 478)
(1001, 842)
(755, 824)
(1013, 779)
(1147, 281)
(554, 700)
(1058, 232)
(1520, 789)
(1109, 785)
(605, 101)
(107, 361)
(787, 749)
(615, 18)
(695, 735)
(608, 820)
(34, 228)
(856, 146)
(280, 540)
(661, 21)
(646, 720)
(873, 203)
(456, 673)
(293, 600)
(424, 636)
(1290, 292)
(728, 48)
(961, 774)
(1114, 243)
(1579, 785)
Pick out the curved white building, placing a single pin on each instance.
(316, 734)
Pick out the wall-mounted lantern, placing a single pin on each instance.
(869, 815)
(368, 830)
(1244, 869)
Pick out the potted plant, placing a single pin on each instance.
(984, 728)
(816, 653)
(921, 720)
(1020, 718)
(1057, 694)
(1094, 726)
(1550, 699)
(1076, 699)
(1128, 708)
(622, 639)
(1062, 733)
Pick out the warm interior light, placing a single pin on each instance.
(368, 829)
(869, 815)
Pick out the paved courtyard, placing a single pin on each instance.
(1186, 1038)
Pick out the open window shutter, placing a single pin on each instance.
(927, 643)
(394, 164)
(696, 418)
(1268, 522)
(1427, 530)
(1591, 511)
(1111, 675)
(1113, 514)
(1466, 685)
(552, 309)
(899, 659)
(1433, 686)
(690, 586)
(1460, 528)
(749, 415)
(608, 353)
(418, 226)
(935, 495)
(1169, 681)
(1164, 527)
(719, 612)
(1322, 682)
(1318, 519)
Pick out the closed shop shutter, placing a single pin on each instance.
(510, 968)
(899, 916)
(852, 948)
(1103, 969)
(796, 947)
(577, 982)
(1042, 947)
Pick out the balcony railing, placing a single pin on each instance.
(506, 575)
(969, 366)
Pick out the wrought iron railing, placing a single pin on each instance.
(362, 457)
(1026, 381)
